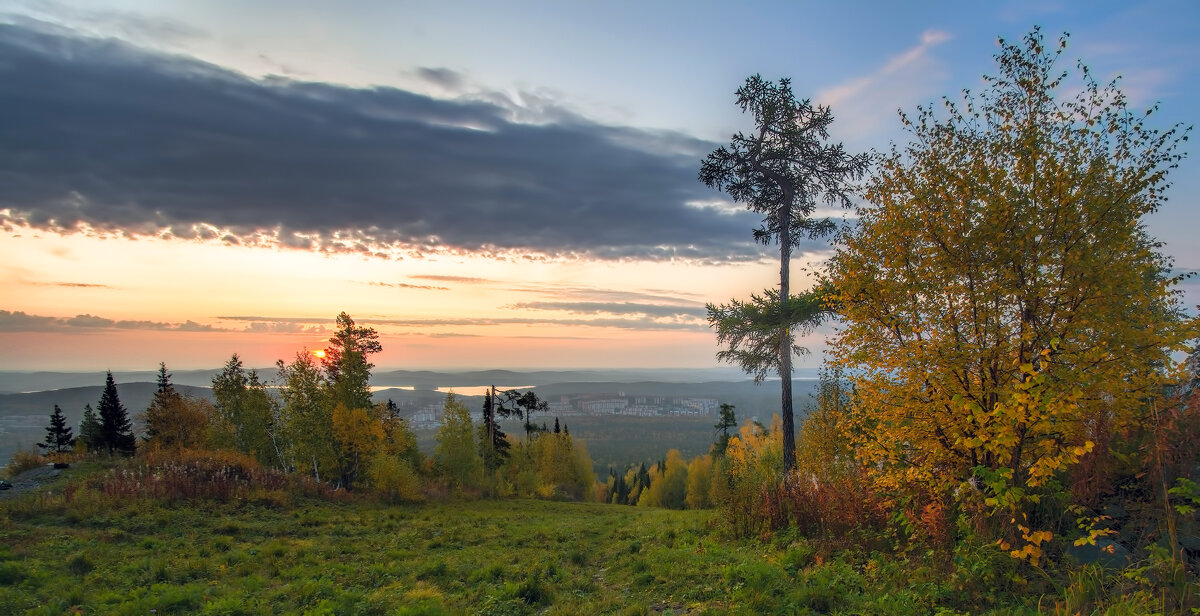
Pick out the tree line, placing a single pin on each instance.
(318, 419)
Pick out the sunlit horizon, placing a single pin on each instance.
(480, 204)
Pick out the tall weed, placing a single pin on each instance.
(24, 460)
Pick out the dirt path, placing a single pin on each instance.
(30, 481)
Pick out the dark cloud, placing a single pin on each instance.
(192, 326)
(585, 293)
(643, 323)
(18, 321)
(626, 308)
(640, 320)
(283, 327)
(442, 77)
(98, 133)
(291, 320)
(87, 320)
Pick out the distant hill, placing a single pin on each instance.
(24, 417)
(21, 382)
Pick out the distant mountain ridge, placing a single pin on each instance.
(24, 382)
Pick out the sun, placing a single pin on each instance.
(319, 354)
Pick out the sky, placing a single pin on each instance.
(489, 185)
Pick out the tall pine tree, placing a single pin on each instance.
(783, 170)
(59, 438)
(116, 431)
(346, 367)
(493, 443)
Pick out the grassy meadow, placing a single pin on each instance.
(67, 549)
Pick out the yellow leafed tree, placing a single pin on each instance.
(358, 436)
(1000, 293)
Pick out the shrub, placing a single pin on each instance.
(192, 474)
(11, 573)
(549, 466)
(24, 460)
(752, 463)
(79, 564)
(394, 479)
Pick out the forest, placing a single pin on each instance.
(1008, 420)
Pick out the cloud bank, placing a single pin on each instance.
(18, 321)
(105, 137)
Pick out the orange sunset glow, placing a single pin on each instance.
(479, 204)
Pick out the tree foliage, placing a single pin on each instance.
(669, 489)
(726, 419)
(346, 364)
(358, 435)
(306, 417)
(753, 331)
(699, 483)
(456, 453)
(173, 420)
(493, 442)
(247, 412)
(523, 405)
(394, 478)
(59, 437)
(399, 439)
(116, 430)
(551, 465)
(1000, 292)
(89, 430)
(822, 449)
(158, 415)
(782, 170)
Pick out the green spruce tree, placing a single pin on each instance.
(116, 431)
(726, 421)
(162, 405)
(58, 434)
(89, 430)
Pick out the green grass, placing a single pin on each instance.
(485, 557)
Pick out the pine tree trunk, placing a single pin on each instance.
(785, 343)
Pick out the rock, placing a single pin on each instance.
(1107, 553)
